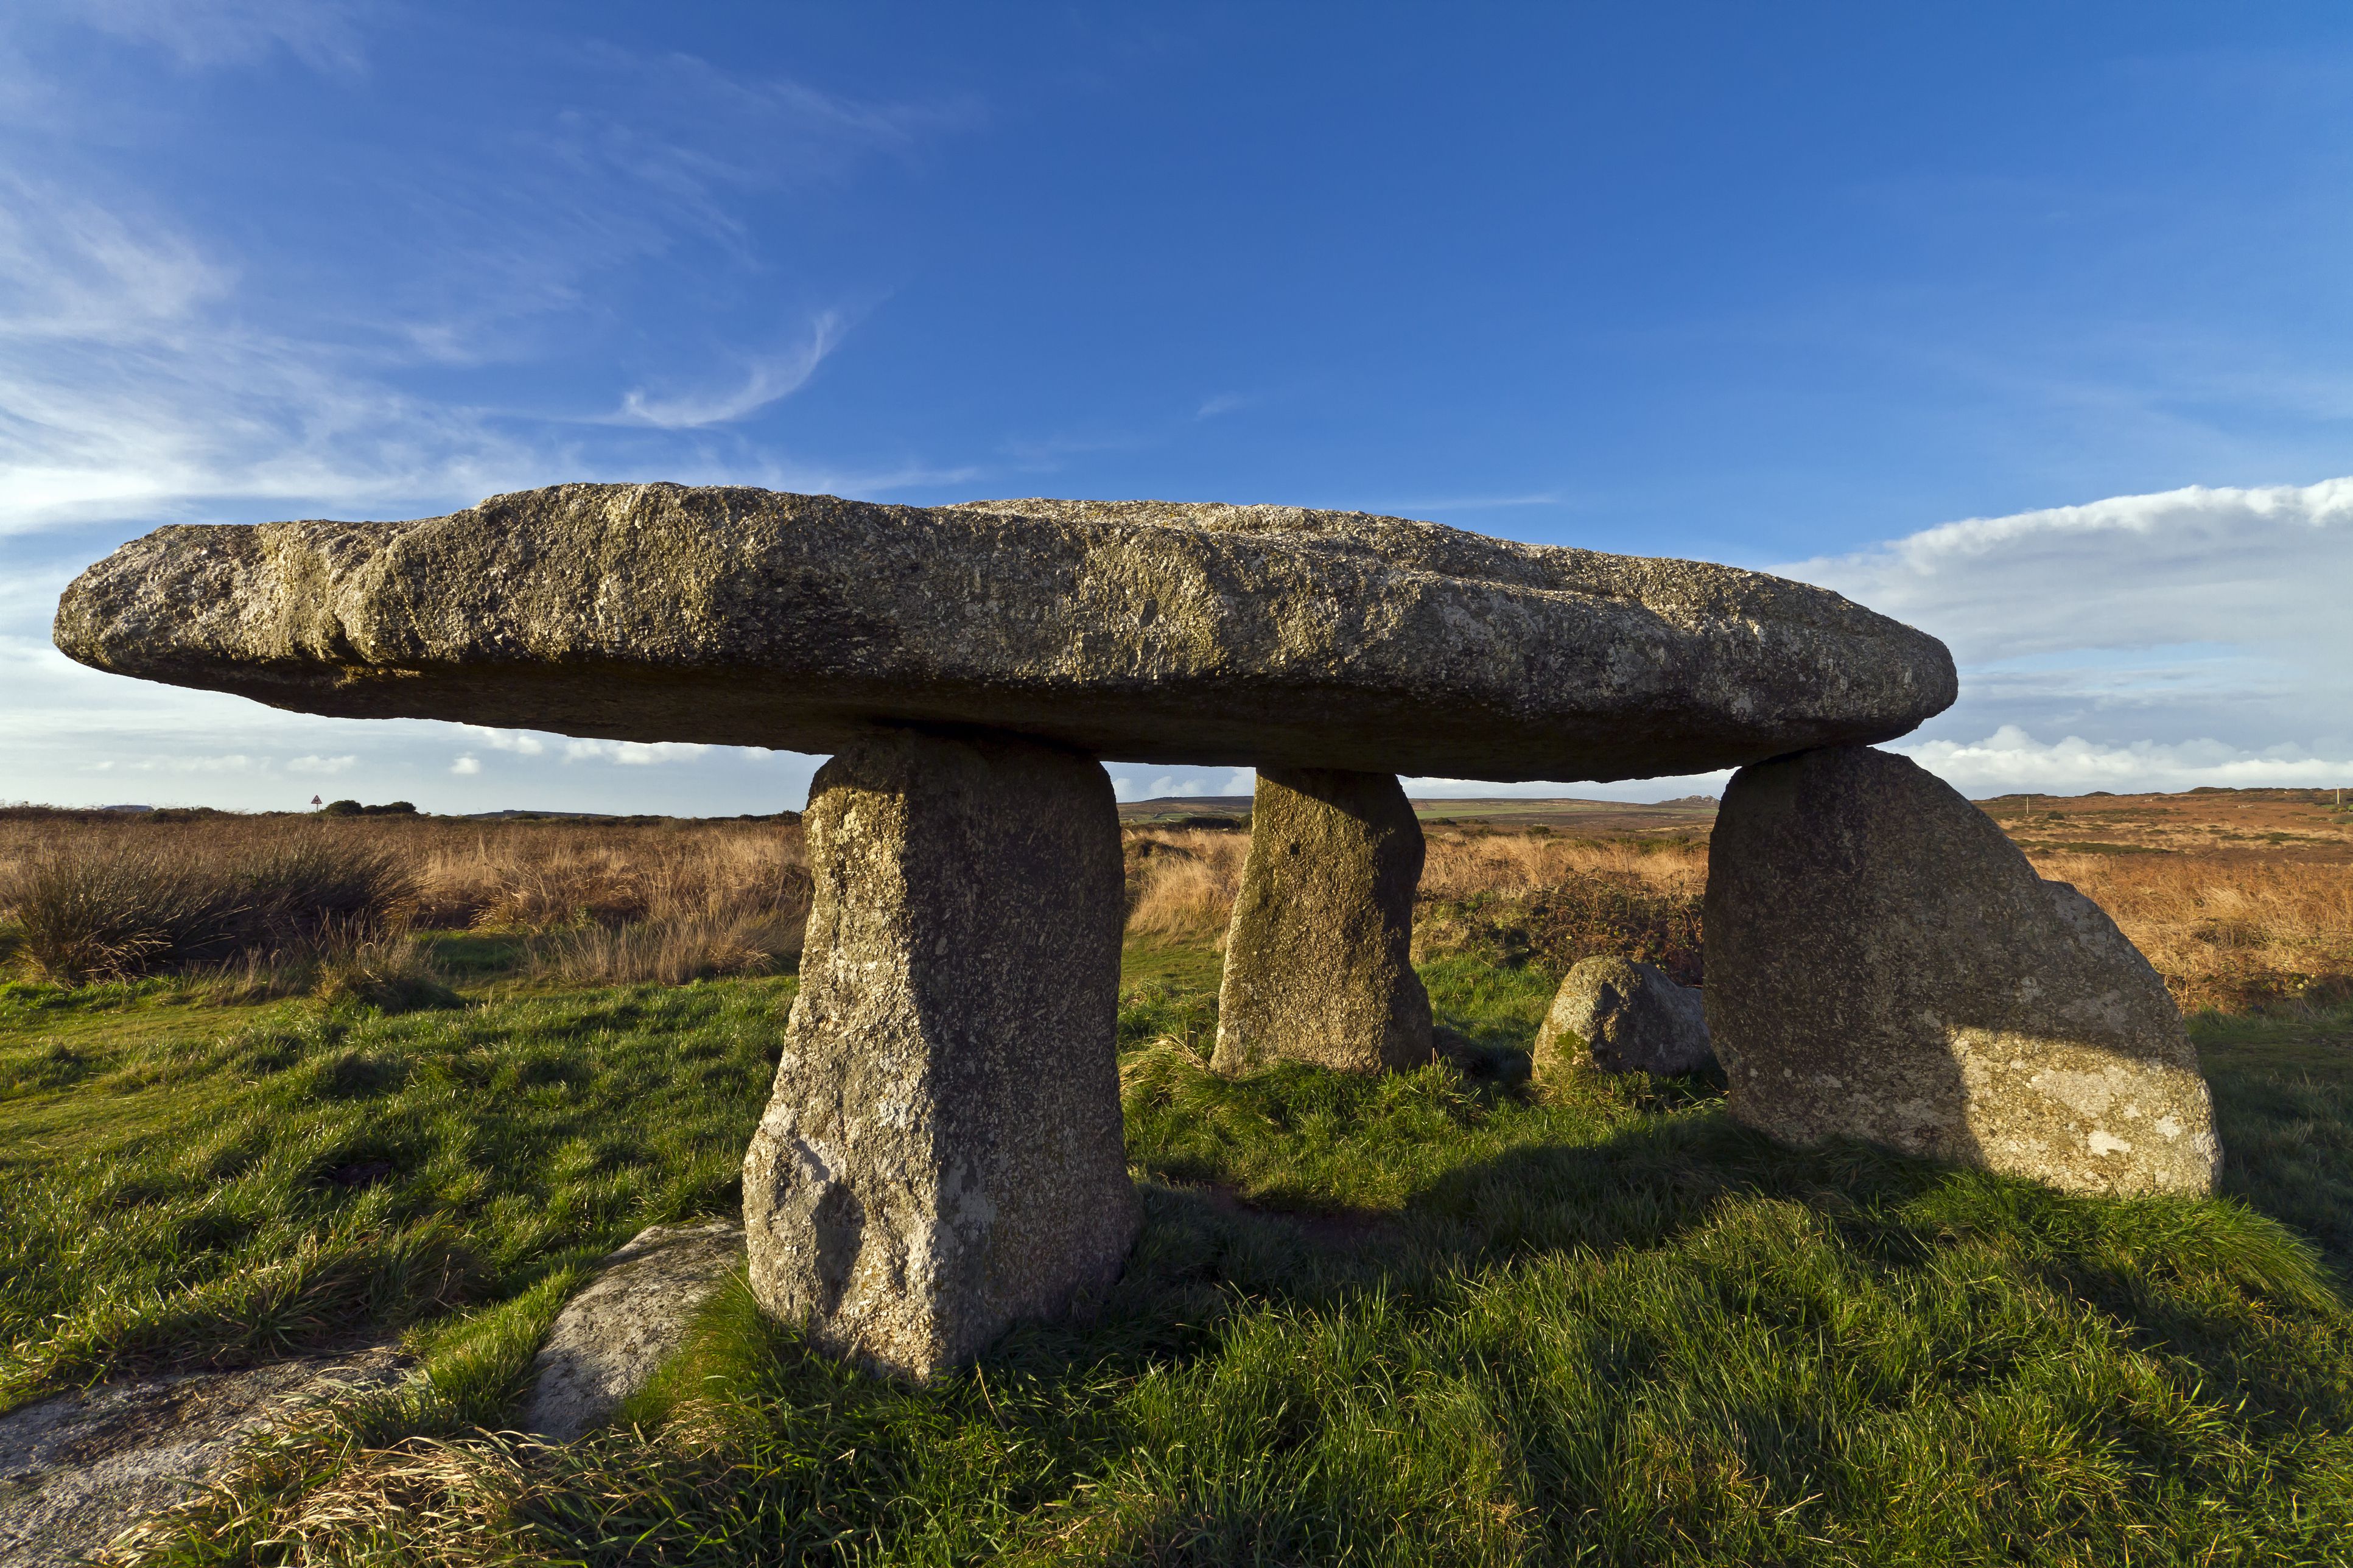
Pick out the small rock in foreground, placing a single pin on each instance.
(77, 1470)
(610, 1339)
(1625, 1016)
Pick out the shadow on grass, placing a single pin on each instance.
(1673, 1340)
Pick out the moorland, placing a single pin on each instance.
(276, 1085)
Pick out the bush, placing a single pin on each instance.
(354, 808)
(118, 911)
(1606, 915)
(1583, 915)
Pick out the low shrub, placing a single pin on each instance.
(1584, 914)
(119, 909)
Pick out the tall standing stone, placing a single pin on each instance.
(1318, 960)
(1882, 963)
(942, 1155)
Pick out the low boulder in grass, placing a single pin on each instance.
(1625, 1016)
(614, 1335)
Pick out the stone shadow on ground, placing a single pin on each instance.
(1203, 1252)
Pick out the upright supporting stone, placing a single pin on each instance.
(943, 1155)
(1318, 962)
(1883, 963)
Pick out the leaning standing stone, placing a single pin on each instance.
(1882, 963)
(1318, 960)
(1624, 1017)
(943, 1153)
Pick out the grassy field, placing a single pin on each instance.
(1448, 1317)
(1440, 1318)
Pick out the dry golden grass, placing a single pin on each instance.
(1181, 883)
(2264, 922)
(611, 902)
(2228, 932)
(1465, 864)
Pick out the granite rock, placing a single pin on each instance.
(1261, 635)
(1624, 1017)
(1318, 959)
(78, 1469)
(611, 1339)
(1883, 963)
(942, 1155)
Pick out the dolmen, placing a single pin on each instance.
(942, 1155)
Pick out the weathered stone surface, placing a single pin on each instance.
(1318, 959)
(76, 1471)
(1270, 636)
(1624, 1017)
(1884, 962)
(942, 1151)
(610, 1339)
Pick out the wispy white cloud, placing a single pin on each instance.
(467, 765)
(155, 361)
(770, 379)
(317, 764)
(129, 383)
(203, 34)
(1222, 403)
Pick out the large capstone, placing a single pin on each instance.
(1620, 1015)
(1883, 963)
(1258, 635)
(942, 1155)
(1318, 965)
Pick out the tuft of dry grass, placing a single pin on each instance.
(548, 877)
(1182, 882)
(1515, 899)
(117, 907)
(670, 951)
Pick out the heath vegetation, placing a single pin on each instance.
(1449, 1316)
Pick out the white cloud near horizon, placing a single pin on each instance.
(633, 753)
(2010, 762)
(2149, 642)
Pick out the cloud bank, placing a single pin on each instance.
(2152, 642)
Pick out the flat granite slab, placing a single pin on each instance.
(1145, 630)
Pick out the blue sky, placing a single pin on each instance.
(2031, 324)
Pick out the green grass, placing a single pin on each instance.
(191, 1185)
(1429, 1319)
